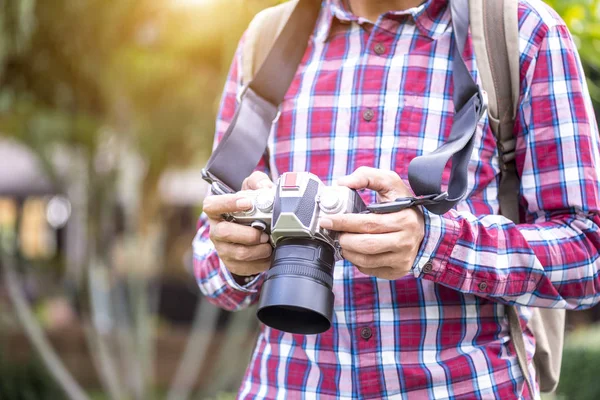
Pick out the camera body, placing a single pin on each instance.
(293, 208)
(297, 293)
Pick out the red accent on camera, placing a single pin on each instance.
(290, 181)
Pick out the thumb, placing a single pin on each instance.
(258, 180)
(378, 180)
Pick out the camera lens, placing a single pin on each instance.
(297, 294)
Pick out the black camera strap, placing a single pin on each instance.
(425, 172)
(245, 140)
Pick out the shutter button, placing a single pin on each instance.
(368, 114)
(366, 333)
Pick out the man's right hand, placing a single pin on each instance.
(244, 250)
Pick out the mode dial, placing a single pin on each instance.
(330, 201)
(264, 201)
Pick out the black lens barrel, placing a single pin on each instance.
(297, 294)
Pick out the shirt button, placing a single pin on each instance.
(428, 267)
(482, 286)
(366, 333)
(368, 114)
(379, 49)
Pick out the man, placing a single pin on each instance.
(420, 298)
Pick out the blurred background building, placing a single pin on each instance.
(107, 114)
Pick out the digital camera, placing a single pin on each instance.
(297, 294)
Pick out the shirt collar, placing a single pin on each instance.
(431, 18)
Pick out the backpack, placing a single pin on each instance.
(496, 48)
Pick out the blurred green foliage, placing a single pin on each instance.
(27, 380)
(75, 75)
(581, 363)
(72, 69)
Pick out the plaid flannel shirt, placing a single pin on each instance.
(378, 95)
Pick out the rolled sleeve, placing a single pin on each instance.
(215, 280)
(438, 241)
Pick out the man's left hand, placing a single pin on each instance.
(380, 245)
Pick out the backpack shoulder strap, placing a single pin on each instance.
(496, 48)
(516, 333)
(261, 35)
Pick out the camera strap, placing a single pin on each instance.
(245, 141)
(425, 173)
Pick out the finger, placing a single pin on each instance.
(363, 223)
(374, 271)
(367, 261)
(382, 181)
(239, 252)
(257, 180)
(371, 243)
(384, 273)
(235, 233)
(214, 206)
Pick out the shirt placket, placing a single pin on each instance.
(367, 131)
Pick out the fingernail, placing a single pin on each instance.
(326, 223)
(346, 180)
(264, 238)
(264, 184)
(243, 204)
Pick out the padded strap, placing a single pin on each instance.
(496, 48)
(260, 36)
(273, 79)
(516, 332)
(510, 184)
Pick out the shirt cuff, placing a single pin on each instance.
(251, 287)
(441, 235)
